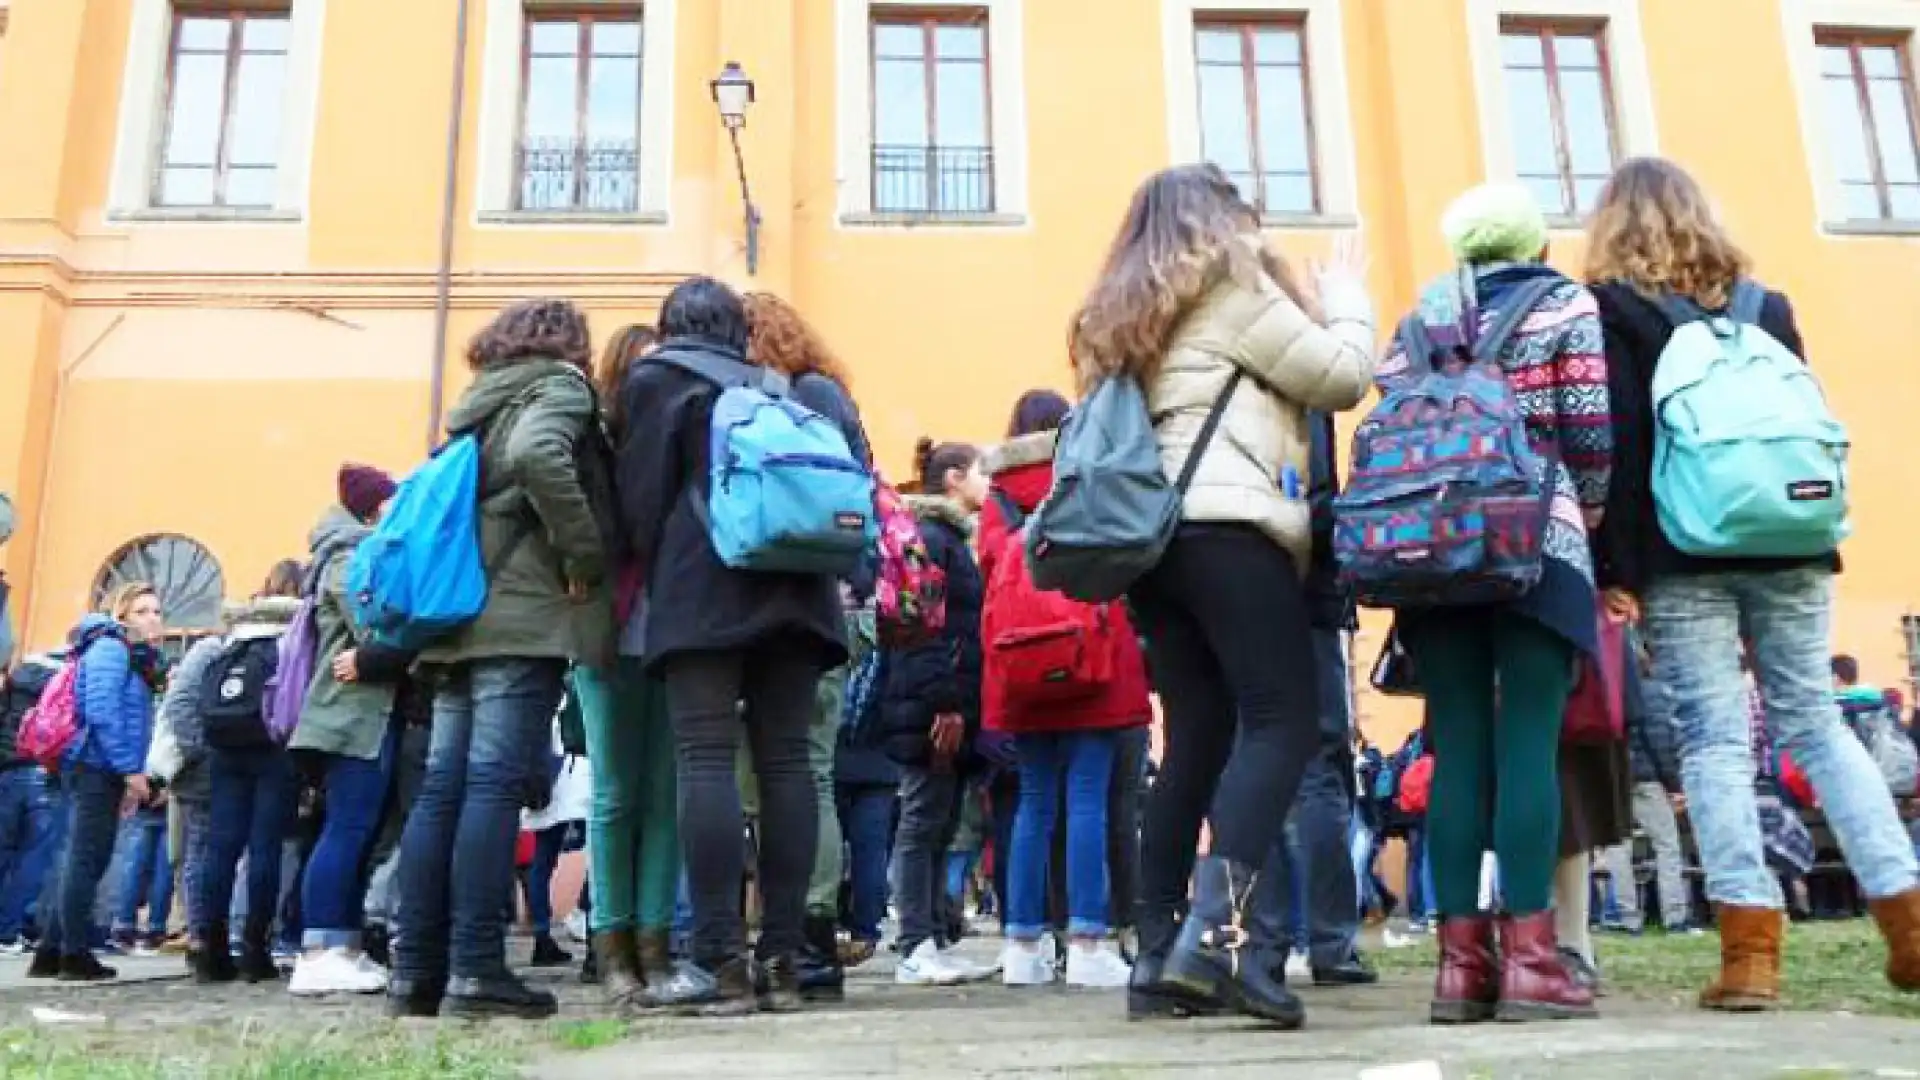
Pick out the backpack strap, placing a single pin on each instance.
(727, 373)
(1208, 429)
(1680, 310)
(1416, 342)
(1512, 315)
(1747, 301)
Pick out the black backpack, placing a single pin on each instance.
(20, 692)
(233, 693)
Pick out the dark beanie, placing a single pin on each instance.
(363, 488)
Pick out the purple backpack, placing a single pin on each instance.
(286, 693)
(1446, 503)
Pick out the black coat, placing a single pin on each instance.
(694, 602)
(943, 675)
(1630, 551)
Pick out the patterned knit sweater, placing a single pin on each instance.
(1556, 364)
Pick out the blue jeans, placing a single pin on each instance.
(960, 866)
(333, 884)
(93, 817)
(1315, 840)
(149, 878)
(492, 730)
(250, 811)
(548, 845)
(1694, 626)
(27, 845)
(866, 817)
(1083, 762)
(1419, 876)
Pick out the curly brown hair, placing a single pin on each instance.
(1655, 229)
(780, 339)
(533, 329)
(1186, 230)
(622, 351)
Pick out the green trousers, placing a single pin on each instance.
(633, 839)
(823, 743)
(1496, 780)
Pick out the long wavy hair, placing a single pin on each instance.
(1186, 231)
(1655, 229)
(779, 338)
(623, 350)
(530, 329)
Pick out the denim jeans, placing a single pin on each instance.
(1419, 876)
(1653, 812)
(93, 816)
(959, 872)
(27, 849)
(333, 884)
(492, 732)
(249, 814)
(149, 875)
(548, 845)
(1081, 762)
(866, 817)
(929, 816)
(1694, 627)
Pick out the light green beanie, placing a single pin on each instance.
(1495, 223)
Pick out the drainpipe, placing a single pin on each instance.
(443, 285)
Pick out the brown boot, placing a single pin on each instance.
(656, 965)
(1899, 919)
(1749, 961)
(1468, 985)
(1534, 984)
(619, 965)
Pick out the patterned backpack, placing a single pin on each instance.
(53, 724)
(910, 592)
(1447, 503)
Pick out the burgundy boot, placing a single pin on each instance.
(1534, 984)
(1467, 989)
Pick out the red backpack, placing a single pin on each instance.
(910, 591)
(1041, 646)
(1416, 787)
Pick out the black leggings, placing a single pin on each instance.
(704, 692)
(1225, 619)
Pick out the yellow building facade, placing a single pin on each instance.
(228, 253)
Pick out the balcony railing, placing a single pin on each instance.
(934, 181)
(565, 176)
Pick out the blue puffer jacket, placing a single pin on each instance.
(114, 700)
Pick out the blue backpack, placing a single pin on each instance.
(1748, 460)
(1447, 504)
(787, 494)
(419, 576)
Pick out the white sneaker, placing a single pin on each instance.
(969, 971)
(1097, 967)
(576, 926)
(926, 967)
(1299, 971)
(334, 972)
(1026, 965)
(367, 964)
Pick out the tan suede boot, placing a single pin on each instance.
(1749, 961)
(619, 967)
(1899, 919)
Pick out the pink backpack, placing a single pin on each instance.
(51, 726)
(910, 594)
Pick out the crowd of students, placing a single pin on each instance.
(863, 706)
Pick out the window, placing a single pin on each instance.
(579, 146)
(181, 570)
(1867, 109)
(932, 119)
(1255, 119)
(226, 83)
(1560, 105)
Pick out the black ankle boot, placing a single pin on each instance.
(821, 976)
(256, 954)
(1211, 958)
(83, 967)
(1148, 996)
(417, 998)
(46, 962)
(502, 995)
(548, 953)
(212, 959)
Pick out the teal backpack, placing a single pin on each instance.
(1748, 459)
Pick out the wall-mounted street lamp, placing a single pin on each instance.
(733, 93)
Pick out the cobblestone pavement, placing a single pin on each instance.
(989, 1031)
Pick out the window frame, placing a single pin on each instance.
(1854, 39)
(1246, 24)
(584, 17)
(1547, 30)
(929, 19)
(236, 16)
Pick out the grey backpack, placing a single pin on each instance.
(1112, 510)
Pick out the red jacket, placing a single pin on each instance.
(1023, 469)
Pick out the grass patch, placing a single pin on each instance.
(1830, 967)
(590, 1034)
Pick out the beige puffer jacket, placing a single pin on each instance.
(1292, 365)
